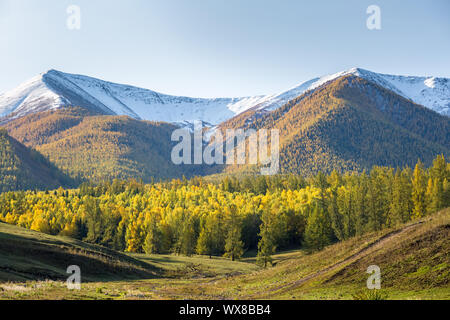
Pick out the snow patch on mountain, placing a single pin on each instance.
(55, 89)
(32, 95)
(431, 92)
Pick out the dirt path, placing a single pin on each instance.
(355, 257)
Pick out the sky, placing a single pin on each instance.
(221, 48)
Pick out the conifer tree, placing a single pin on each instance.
(317, 233)
(400, 205)
(320, 181)
(188, 239)
(153, 240)
(435, 189)
(419, 188)
(234, 247)
(93, 217)
(205, 242)
(267, 244)
(360, 196)
(335, 215)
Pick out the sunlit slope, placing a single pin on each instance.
(414, 261)
(101, 148)
(351, 124)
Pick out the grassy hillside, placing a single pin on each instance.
(33, 266)
(414, 261)
(28, 255)
(22, 168)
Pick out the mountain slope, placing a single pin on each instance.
(401, 254)
(351, 120)
(101, 148)
(413, 259)
(54, 89)
(352, 124)
(22, 168)
(430, 92)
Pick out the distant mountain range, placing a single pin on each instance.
(352, 120)
(54, 89)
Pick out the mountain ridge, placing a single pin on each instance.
(351, 120)
(54, 89)
(351, 123)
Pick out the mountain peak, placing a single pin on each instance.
(54, 89)
(50, 71)
(357, 70)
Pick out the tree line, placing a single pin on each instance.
(234, 214)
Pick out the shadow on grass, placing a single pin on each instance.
(24, 259)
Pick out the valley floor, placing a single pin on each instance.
(414, 260)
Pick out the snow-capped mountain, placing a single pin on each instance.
(55, 89)
(430, 92)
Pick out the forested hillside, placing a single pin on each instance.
(346, 124)
(102, 148)
(264, 213)
(351, 124)
(23, 169)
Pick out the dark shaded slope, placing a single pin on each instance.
(28, 255)
(22, 168)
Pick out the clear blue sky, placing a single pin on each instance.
(221, 47)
